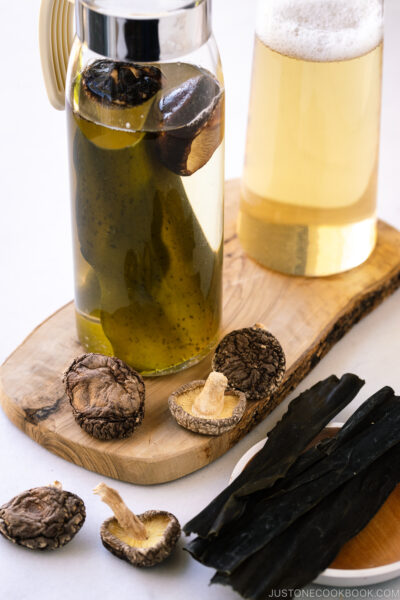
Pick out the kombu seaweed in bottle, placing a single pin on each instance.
(146, 158)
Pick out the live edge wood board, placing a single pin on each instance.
(307, 315)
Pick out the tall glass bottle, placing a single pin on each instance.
(308, 204)
(145, 111)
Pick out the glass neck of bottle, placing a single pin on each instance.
(144, 37)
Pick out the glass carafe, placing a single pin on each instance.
(145, 113)
(308, 201)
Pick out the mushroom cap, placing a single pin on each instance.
(121, 84)
(42, 518)
(118, 95)
(192, 118)
(206, 425)
(143, 554)
(253, 361)
(107, 396)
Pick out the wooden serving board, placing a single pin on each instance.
(307, 315)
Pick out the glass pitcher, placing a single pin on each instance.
(144, 99)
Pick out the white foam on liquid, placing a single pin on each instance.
(321, 30)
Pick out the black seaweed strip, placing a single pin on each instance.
(271, 516)
(306, 417)
(309, 546)
(370, 410)
(297, 436)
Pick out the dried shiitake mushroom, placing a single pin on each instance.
(207, 406)
(107, 396)
(253, 361)
(143, 540)
(191, 117)
(121, 84)
(42, 518)
(119, 95)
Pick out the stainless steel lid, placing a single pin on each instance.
(142, 31)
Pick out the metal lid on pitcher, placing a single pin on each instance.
(143, 30)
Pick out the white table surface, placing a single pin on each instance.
(36, 276)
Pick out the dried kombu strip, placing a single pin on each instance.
(370, 411)
(269, 517)
(306, 417)
(305, 549)
(153, 263)
(147, 270)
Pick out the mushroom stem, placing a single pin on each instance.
(210, 401)
(56, 484)
(125, 517)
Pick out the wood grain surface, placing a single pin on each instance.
(378, 544)
(307, 315)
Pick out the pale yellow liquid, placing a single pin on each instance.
(309, 186)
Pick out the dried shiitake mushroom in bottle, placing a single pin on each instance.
(42, 518)
(191, 117)
(107, 396)
(143, 540)
(118, 95)
(253, 361)
(121, 84)
(207, 406)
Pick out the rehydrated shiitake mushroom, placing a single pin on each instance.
(42, 518)
(107, 396)
(121, 84)
(207, 406)
(143, 540)
(191, 118)
(253, 361)
(118, 95)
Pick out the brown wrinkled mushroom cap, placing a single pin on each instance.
(180, 410)
(107, 396)
(145, 553)
(192, 117)
(42, 518)
(121, 84)
(253, 361)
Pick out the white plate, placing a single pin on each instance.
(335, 577)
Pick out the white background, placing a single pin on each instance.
(36, 279)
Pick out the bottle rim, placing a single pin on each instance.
(141, 37)
(139, 9)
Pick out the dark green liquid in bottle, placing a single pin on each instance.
(148, 282)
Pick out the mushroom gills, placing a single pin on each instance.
(155, 530)
(143, 540)
(187, 399)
